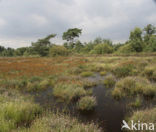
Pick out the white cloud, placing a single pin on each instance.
(38, 20)
(2, 22)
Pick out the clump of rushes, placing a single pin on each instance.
(17, 114)
(150, 72)
(88, 84)
(103, 73)
(109, 81)
(67, 92)
(61, 123)
(144, 116)
(137, 103)
(86, 103)
(131, 86)
(123, 70)
(86, 74)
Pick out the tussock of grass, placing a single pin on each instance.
(67, 92)
(145, 116)
(109, 81)
(150, 72)
(131, 86)
(86, 103)
(15, 112)
(61, 123)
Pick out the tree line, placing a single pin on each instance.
(140, 40)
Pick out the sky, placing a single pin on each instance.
(25, 21)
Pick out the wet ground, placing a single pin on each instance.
(108, 113)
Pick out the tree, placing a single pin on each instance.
(136, 39)
(42, 46)
(70, 35)
(102, 49)
(149, 31)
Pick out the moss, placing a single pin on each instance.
(86, 74)
(103, 73)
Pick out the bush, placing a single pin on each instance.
(86, 74)
(125, 49)
(102, 49)
(109, 81)
(86, 103)
(58, 51)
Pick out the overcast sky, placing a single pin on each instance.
(24, 21)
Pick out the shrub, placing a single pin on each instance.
(86, 103)
(58, 51)
(127, 48)
(131, 86)
(102, 49)
(109, 81)
(86, 74)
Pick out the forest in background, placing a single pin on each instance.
(140, 40)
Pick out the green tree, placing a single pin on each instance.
(136, 39)
(102, 49)
(42, 46)
(70, 35)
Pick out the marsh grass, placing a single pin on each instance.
(109, 81)
(86, 103)
(61, 123)
(68, 92)
(144, 116)
(132, 86)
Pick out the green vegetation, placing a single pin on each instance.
(86, 74)
(109, 81)
(145, 116)
(68, 92)
(86, 103)
(61, 123)
(140, 41)
(131, 86)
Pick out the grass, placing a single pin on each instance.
(17, 112)
(109, 81)
(86, 103)
(61, 123)
(68, 92)
(131, 86)
(145, 116)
